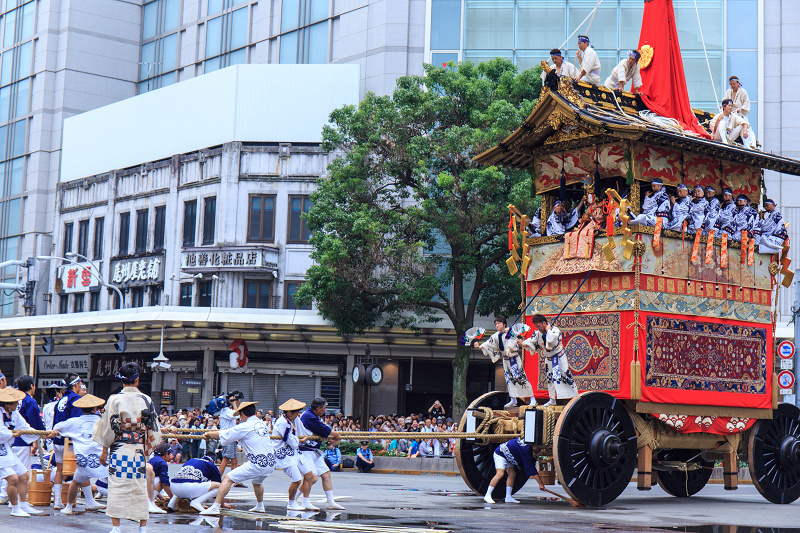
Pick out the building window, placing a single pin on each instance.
(291, 288)
(141, 231)
(83, 238)
(137, 297)
(226, 38)
(67, 238)
(94, 301)
(257, 294)
(124, 232)
(204, 297)
(99, 225)
(209, 219)
(155, 295)
(77, 303)
(117, 302)
(160, 47)
(186, 294)
(189, 222)
(261, 223)
(304, 29)
(298, 232)
(161, 222)
(63, 304)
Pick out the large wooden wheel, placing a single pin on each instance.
(679, 483)
(774, 455)
(476, 461)
(594, 448)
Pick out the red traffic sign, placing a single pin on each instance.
(786, 349)
(786, 379)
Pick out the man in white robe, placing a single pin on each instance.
(727, 126)
(547, 341)
(712, 209)
(501, 345)
(739, 97)
(588, 61)
(562, 68)
(11, 468)
(628, 69)
(654, 197)
(287, 453)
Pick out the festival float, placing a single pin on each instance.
(670, 336)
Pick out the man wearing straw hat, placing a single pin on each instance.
(299, 469)
(128, 431)
(11, 469)
(64, 410)
(253, 435)
(87, 452)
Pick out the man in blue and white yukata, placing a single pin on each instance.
(723, 223)
(253, 436)
(560, 221)
(547, 341)
(743, 219)
(771, 230)
(29, 410)
(675, 210)
(198, 480)
(287, 452)
(535, 225)
(697, 210)
(501, 345)
(508, 458)
(654, 197)
(712, 209)
(64, 411)
(312, 424)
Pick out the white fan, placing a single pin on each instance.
(519, 330)
(473, 334)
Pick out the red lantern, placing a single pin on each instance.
(238, 356)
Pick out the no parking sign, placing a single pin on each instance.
(786, 379)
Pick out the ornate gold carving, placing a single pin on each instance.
(647, 56)
(546, 67)
(774, 268)
(639, 248)
(547, 205)
(635, 196)
(567, 90)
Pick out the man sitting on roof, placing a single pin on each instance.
(737, 94)
(562, 68)
(697, 210)
(654, 197)
(712, 209)
(588, 60)
(628, 69)
(771, 232)
(727, 127)
(675, 210)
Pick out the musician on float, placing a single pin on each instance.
(675, 210)
(771, 230)
(628, 69)
(560, 221)
(742, 219)
(547, 341)
(560, 66)
(588, 61)
(11, 469)
(697, 210)
(712, 209)
(502, 345)
(654, 197)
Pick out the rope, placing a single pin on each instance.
(708, 64)
(377, 435)
(582, 23)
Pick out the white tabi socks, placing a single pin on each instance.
(259, 508)
(488, 497)
(331, 503)
(57, 496)
(509, 498)
(212, 511)
(91, 504)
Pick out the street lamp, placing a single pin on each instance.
(13, 286)
(92, 268)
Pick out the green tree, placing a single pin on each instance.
(406, 228)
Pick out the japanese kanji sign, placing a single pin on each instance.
(232, 258)
(107, 366)
(78, 277)
(137, 271)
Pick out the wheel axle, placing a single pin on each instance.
(606, 448)
(789, 454)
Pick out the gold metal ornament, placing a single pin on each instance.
(647, 56)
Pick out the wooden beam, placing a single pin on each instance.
(644, 476)
(730, 471)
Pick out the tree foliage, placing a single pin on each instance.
(406, 228)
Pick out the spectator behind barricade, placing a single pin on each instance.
(436, 410)
(364, 460)
(197, 424)
(413, 449)
(426, 448)
(333, 457)
(175, 451)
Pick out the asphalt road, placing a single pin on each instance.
(410, 504)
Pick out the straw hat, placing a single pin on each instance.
(89, 401)
(243, 405)
(292, 405)
(10, 394)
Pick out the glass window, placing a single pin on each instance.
(743, 65)
(169, 52)
(689, 30)
(158, 232)
(99, 230)
(148, 65)
(214, 6)
(137, 297)
(25, 60)
(63, 304)
(209, 220)
(67, 238)
(480, 56)
(489, 25)
(204, 296)
(630, 24)
(4, 142)
(527, 59)
(298, 232)
(83, 238)
(603, 33)
(441, 59)
(5, 102)
(141, 231)
(213, 37)
(318, 44)
(94, 301)
(238, 57)
(172, 15)
(150, 20)
(742, 24)
(23, 98)
(28, 18)
(8, 67)
(8, 31)
(261, 219)
(289, 48)
(77, 306)
(17, 175)
(446, 24)
(155, 295)
(212, 64)
(189, 222)
(539, 26)
(20, 136)
(238, 28)
(290, 14)
(124, 232)
(186, 295)
(291, 288)
(319, 9)
(698, 81)
(257, 294)
(166, 80)
(13, 223)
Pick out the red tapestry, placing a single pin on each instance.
(702, 170)
(742, 179)
(577, 164)
(694, 355)
(718, 425)
(658, 162)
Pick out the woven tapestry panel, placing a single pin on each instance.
(592, 343)
(692, 355)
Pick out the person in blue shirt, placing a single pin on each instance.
(364, 460)
(64, 411)
(509, 458)
(312, 424)
(158, 475)
(29, 410)
(333, 457)
(198, 480)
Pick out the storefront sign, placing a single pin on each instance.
(138, 271)
(77, 277)
(191, 390)
(45, 382)
(190, 382)
(61, 364)
(230, 259)
(107, 366)
(166, 397)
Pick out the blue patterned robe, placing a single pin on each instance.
(697, 214)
